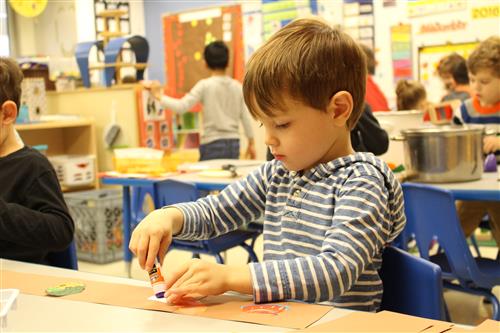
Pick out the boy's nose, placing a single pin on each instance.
(270, 140)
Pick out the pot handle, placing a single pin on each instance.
(398, 138)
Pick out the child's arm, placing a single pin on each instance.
(187, 102)
(250, 152)
(152, 237)
(206, 218)
(197, 278)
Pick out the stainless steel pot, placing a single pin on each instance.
(444, 153)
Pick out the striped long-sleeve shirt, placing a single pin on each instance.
(324, 229)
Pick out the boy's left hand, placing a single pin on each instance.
(198, 278)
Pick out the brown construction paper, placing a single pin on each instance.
(385, 321)
(292, 314)
(488, 326)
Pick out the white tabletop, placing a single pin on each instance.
(37, 313)
(487, 188)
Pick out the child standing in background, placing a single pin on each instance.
(34, 219)
(223, 108)
(328, 211)
(483, 108)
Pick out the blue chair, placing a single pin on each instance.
(412, 285)
(65, 258)
(432, 215)
(169, 192)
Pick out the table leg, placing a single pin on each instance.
(127, 255)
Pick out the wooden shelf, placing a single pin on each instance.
(53, 124)
(69, 136)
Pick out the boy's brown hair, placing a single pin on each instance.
(309, 61)
(409, 94)
(456, 66)
(486, 56)
(10, 81)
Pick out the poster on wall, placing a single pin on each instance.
(278, 13)
(428, 59)
(155, 123)
(426, 7)
(359, 21)
(401, 52)
(185, 36)
(252, 27)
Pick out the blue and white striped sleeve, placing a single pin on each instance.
(237, 204)
(360, 227)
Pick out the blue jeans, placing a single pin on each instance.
(220, 149)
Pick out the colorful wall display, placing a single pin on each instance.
(429, 7)
(401, 52)
(278, 13)
(359, 21)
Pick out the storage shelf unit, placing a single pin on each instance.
(73, 136)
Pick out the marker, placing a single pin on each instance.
(157, 281)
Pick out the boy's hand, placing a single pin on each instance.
(198, 278)
(250, 154)
(491, 144)
(153, 86)
(152, 237)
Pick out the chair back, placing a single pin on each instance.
(412, 285)
(169, 192)
(432, 215)
(64, 259)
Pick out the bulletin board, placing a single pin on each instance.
(185, 36)
(428, 59)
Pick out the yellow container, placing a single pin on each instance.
(138, 160)
(172, 160)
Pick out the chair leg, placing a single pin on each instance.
(474, 244)
(219, 258)
(495, 305)
(252, 257)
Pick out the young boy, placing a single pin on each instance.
(328, 212)
(483, 108)
(452, 71)
(223, 108)
(34, 219)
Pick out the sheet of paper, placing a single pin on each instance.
(384, 321)
(488, 326)
(284, 314)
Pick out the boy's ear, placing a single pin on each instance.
(340, 107)
(9, 111)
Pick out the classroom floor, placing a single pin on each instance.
(464, 308)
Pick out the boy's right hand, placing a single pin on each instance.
(153, 235)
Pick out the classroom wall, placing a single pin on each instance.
(451, 27)
(153, 13)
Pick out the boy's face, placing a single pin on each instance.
(485, 86)
(448, 81)
(303, 137)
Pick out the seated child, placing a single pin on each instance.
(483, 108)
(328, 211)
(452, 71)
(34, 219)
(411, 95)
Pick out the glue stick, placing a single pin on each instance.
(157, 281)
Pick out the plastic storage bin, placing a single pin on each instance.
(98, 224)
(74, 170)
